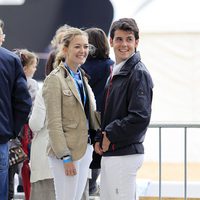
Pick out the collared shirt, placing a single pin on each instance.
(78, 80)
(118, 67)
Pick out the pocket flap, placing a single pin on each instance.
(67, 93)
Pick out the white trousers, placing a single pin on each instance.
(118, 177)
(71, 187)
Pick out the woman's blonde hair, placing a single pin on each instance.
(57, 39)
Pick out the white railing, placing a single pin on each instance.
(184, 126)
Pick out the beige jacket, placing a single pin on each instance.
(66, 119)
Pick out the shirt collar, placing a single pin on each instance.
(117, 68)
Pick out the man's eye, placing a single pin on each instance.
(118, 39)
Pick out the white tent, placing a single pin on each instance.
(170, 47)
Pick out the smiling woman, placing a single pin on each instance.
(70, 106)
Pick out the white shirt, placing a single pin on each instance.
(118, 67)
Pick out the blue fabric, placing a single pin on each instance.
(4, 171)
(79, 83)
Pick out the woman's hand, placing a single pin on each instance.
(70, 169)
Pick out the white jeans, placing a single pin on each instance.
(118, 177)
(71, 187)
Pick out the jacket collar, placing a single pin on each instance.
(130, 64)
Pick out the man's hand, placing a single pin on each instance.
(98, 149)
(105, 143)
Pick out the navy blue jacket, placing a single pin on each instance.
(15, 101)
(99, 71)
(128, 108)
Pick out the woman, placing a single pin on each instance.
(98, 66)
(70, 106)
(29, 62)
(41, 177)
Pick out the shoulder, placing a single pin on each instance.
(5, 54)
(109, 61)
(32, 83)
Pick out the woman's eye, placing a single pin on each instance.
(86, 47)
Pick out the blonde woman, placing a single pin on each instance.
(70, 107)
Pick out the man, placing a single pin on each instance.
(15, 105)
(126, 116)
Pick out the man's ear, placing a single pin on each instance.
(136, 43)
(111, 42)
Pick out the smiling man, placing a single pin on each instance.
(126, 115)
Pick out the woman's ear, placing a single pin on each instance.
(65, 49)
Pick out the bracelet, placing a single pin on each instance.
(67, 159)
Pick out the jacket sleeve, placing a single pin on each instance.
(21, 99)
(132, 128)
(38, 115)
(52, 93)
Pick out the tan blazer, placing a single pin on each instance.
(66, 119)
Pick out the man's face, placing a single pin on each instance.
(123, 44)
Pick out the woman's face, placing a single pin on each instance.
(77, 51)
(30, 69)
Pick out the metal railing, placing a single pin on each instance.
(184, 126)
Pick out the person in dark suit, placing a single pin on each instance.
(15, 105)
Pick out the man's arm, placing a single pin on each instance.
(21, 100)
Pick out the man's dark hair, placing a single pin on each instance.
(125, 24)
(1, 23)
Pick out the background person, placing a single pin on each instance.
(29, 62)
(41, 177)
(14, 109)
(98, 66)
(55, 43)
(126, 116)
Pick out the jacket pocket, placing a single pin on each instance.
(67, 93)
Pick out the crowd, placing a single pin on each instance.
(88, 119)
